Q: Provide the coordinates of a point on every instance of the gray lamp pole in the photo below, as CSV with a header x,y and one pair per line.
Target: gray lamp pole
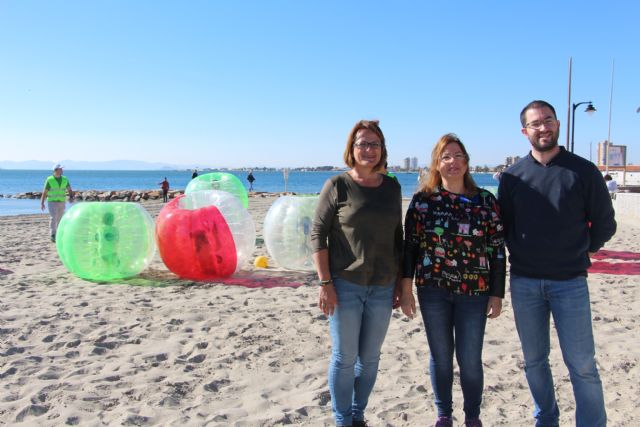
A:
x,y
589,110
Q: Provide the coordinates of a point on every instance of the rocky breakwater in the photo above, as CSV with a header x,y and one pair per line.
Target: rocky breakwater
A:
x,y
105,196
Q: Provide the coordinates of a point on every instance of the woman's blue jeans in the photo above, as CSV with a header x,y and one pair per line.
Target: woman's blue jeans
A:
x,y
534,300
454,322
358,327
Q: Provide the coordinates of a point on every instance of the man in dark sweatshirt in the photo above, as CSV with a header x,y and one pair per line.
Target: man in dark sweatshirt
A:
x,y
557,213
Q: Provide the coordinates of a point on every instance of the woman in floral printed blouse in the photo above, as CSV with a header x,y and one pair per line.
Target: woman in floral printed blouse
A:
x,y
454,248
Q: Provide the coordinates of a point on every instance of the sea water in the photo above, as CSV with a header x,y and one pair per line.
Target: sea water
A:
x,y
300,182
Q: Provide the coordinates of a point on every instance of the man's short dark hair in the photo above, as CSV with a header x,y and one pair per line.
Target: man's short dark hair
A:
x,y
536,104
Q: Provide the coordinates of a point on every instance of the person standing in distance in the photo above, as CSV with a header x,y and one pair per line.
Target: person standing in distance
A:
x,y
251,178
557,213
55,189
357,243
612,186
164,185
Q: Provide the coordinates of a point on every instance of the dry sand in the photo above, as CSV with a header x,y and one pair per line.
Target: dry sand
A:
x,y
156,350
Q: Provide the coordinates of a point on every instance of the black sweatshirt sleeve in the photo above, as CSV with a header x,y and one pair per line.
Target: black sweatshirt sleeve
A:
x,y
411,242
495,248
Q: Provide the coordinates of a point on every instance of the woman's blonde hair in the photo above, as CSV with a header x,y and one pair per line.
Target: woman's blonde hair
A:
x,y
430,183
373,126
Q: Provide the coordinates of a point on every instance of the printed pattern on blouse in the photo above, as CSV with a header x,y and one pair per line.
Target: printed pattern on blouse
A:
x,y
458,239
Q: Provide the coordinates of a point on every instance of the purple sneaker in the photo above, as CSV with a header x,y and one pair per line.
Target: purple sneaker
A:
x,y
444,422
474,422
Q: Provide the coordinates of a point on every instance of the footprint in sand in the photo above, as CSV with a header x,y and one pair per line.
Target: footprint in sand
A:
x,y
214,386
31,410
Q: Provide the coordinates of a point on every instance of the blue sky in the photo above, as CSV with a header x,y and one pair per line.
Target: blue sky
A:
x,y
281,83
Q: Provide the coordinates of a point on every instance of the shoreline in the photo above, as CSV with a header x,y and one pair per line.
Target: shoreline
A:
x,y
105,197
119,195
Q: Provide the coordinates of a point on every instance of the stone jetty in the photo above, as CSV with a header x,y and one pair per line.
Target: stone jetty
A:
x,y
104,196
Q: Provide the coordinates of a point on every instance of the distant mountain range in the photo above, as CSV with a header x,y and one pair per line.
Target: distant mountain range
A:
x,y
84,165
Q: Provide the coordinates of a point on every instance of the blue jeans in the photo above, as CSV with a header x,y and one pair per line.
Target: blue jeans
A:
x,y
358,327
455,322
533,301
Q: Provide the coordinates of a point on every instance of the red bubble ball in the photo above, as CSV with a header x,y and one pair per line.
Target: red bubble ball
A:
x,y
196,244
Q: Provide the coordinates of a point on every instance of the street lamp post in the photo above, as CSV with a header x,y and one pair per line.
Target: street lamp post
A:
x,y
589,110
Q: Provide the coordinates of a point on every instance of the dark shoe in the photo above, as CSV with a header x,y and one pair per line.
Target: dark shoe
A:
x,y
53,238
444,422
474,422
360,424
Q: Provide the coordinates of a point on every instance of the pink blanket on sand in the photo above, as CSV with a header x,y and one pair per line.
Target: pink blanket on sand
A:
x,y
629,263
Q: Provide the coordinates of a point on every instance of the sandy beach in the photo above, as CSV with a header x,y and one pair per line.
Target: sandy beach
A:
x,y
159,351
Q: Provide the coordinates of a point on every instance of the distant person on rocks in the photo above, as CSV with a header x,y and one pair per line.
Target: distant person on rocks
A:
x,y
251,178
612,185
165,189
194,174
55,190
556,216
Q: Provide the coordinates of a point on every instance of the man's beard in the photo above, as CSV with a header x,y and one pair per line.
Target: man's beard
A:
x,y
553,143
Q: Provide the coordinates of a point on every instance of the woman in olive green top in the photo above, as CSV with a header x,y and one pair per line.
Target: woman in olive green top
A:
x,y
357,244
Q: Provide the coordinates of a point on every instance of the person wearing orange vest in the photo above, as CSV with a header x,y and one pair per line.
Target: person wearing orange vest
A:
x,y
55,191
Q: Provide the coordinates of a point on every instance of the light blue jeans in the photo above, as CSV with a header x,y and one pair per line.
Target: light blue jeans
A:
x,y
534,300
358,327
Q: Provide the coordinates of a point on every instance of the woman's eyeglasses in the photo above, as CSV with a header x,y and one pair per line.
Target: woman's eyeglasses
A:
x,y
367,145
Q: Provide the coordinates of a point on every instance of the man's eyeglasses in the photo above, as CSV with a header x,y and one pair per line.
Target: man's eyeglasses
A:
x,y
458,158
367,145
549,122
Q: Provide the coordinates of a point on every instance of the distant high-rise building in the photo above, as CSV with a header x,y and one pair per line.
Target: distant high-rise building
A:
x,y
617,154
406,163
414,163
511,160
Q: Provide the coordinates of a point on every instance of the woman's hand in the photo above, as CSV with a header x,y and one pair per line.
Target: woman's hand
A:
x,y
397,293
407,300
327,299
494,307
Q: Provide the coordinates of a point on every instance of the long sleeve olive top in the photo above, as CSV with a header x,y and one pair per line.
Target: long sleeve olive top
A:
x,y
362,229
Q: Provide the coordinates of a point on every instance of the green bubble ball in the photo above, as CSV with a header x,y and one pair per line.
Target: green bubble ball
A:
x,y
104,241
220,181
